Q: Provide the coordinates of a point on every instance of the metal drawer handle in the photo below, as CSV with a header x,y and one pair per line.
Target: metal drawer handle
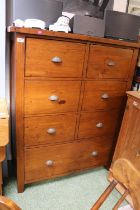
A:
x,y
135,104
111,63
94,153
105,96
56,60
51,131
99,125
138,154
53,98
49,162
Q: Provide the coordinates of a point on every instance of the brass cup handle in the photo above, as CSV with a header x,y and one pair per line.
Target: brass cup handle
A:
x,y
136,104
51,131
99,125
53,98
111,63
94,153
105,96
56,60
138,153
49,162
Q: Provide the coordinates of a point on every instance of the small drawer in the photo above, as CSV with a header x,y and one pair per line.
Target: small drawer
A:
x,y
98,123
109,62
49,129
52,161
51,96
103,95
52,58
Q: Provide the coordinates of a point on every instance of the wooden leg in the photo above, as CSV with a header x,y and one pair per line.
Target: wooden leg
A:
x,y
0,178
121,200
105,194
8,204
20,186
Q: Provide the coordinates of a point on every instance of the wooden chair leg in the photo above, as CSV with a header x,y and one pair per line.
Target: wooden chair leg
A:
x,y
8,204
105,194
121,200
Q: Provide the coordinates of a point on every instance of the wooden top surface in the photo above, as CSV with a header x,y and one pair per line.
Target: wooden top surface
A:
x,y
4,123
135,94
3,109
48,33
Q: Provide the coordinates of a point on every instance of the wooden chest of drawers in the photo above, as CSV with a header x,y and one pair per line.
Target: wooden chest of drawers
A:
x,y
68,94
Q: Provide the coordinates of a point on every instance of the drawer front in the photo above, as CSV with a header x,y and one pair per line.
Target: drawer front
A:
x,y
54,58
51,96
51,161
49,129
98,123
109,62
103,95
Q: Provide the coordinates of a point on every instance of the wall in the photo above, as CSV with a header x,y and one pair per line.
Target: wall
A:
x,y
2,48
119,5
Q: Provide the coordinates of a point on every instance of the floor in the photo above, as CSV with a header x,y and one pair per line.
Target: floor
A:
x,y
74,192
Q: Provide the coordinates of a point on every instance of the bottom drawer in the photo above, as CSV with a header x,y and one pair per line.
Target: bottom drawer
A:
x,y
51,161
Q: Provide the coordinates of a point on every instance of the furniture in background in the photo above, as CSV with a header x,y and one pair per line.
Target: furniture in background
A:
x,y
67,99
125,168
7,204
4,135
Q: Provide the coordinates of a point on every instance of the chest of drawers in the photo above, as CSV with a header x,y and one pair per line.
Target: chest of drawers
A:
x,y
68,94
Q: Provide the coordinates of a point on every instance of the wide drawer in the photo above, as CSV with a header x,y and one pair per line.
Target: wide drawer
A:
x,y
54,58
51,161
51,96
49,129
103,95
109,62
98,123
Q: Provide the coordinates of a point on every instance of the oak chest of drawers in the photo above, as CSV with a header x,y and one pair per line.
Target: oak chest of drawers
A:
x,y
68,94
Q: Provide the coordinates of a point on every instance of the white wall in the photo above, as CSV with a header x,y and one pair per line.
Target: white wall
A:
x,y
2,48
120,5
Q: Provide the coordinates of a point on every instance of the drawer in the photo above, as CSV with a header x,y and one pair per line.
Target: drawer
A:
x,y
51,161
54,58
51,96
49,129
98,123
109,62
103,95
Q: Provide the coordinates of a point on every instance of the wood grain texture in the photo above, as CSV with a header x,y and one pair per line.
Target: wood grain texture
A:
x,y
39,55
2,153
8,204
36,129
66,158
18,87
94,92
72,37
128,149
35,78
104,196
109,62
88,123
37,95
4,123
126,173
4,134
128,145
